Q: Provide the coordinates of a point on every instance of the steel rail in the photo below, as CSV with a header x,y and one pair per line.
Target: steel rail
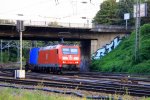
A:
x,y
98,88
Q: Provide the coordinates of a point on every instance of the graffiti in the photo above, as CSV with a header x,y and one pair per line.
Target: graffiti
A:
x,y
106,49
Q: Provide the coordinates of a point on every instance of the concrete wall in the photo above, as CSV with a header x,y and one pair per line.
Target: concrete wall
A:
x,y
89,47
103,39
85,55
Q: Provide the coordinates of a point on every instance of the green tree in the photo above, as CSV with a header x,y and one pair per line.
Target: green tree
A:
x,y
107,13
111,12
125,6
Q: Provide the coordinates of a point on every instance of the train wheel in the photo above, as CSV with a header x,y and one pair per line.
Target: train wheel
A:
x,y
53,70
59,70
47,70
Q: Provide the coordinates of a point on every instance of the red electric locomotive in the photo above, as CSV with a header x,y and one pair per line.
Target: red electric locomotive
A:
x,y
54,58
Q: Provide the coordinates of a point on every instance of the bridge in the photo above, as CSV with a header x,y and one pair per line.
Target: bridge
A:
x,y
91,39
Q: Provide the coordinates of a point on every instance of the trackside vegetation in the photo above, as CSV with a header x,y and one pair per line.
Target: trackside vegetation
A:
x,y
122,58
21,94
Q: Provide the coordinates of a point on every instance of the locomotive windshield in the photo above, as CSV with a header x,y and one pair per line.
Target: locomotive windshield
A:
x,y
70,51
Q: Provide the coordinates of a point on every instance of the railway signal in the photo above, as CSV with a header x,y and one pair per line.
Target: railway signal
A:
x,y
20,27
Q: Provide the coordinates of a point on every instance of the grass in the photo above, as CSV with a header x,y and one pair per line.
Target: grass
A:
x,y
20,94
122,58
146,99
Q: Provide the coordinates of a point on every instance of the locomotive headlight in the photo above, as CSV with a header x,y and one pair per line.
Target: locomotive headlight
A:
x,y
77,62
64,58
76,58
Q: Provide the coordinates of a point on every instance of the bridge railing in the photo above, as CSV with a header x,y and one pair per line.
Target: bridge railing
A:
x,y
47,24
110,28
2,21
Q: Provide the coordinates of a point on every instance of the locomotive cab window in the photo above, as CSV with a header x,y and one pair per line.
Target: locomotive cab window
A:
x,y
70,51
66,51
74,51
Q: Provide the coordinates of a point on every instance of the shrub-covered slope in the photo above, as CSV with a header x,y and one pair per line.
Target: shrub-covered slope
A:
x,y
122,58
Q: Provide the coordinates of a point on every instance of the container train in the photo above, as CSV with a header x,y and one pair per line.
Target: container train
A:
x,y
54,58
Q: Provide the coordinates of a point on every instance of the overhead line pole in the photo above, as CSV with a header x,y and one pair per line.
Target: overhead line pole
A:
x,y
20,50
137,36
1,51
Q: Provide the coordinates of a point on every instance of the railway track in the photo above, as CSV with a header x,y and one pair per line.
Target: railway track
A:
x,y
120,79
129,78
80,82
108,88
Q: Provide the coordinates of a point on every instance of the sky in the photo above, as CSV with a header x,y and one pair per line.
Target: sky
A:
x,y
50,10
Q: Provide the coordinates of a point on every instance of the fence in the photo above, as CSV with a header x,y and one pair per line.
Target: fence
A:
x,y
47,24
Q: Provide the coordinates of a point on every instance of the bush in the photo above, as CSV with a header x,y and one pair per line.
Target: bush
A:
x,y
122,58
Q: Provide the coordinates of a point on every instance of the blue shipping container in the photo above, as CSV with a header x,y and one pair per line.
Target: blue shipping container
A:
x,y
34,56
